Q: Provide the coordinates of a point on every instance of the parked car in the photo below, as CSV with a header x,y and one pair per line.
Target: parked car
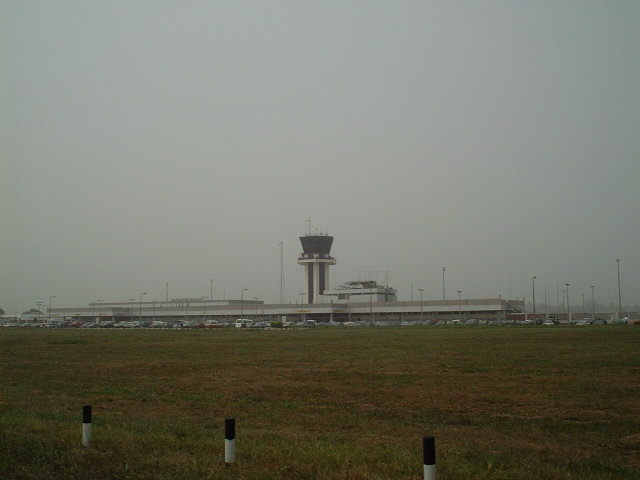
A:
x,y
213,324
243,323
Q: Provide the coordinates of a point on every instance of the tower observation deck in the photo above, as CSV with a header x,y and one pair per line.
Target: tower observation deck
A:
x,y
316,258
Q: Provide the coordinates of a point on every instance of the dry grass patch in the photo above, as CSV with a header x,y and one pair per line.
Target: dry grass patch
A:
x,y
512,403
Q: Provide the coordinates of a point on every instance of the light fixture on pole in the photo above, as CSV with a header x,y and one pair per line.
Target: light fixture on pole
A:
x,y
593,304
421,290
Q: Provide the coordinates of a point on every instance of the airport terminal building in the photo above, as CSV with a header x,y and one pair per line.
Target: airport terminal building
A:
x,y
364,301
226,311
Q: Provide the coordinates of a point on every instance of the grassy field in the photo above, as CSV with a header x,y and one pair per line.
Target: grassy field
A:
x,y
502,402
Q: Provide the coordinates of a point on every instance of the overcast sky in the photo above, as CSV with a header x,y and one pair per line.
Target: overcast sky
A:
x,y
146,142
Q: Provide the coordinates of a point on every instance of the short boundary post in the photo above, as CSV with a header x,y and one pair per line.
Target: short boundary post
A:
x,y
229,440
429,457
86,425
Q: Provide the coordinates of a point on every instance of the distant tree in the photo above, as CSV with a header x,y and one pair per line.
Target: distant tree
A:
x,y
1,311
33,310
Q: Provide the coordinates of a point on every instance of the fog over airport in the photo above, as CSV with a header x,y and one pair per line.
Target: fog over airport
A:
x,y
154,142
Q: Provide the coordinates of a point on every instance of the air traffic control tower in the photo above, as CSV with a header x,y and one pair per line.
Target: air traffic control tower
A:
x,y
316,260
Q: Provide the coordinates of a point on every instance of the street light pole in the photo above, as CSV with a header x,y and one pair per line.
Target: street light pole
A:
x,y
256,299
546,305
301,303
130,310
593,305
619,291
583,308
371,305
444,269
242,302
568,304
49,307
39,310
533,287
421,290
204,310
100,309
140,314
459,306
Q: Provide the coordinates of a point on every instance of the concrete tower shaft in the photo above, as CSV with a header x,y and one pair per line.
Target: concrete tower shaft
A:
x,y
316,259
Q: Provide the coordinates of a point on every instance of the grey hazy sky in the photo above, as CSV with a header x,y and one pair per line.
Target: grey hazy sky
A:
x,y
146,142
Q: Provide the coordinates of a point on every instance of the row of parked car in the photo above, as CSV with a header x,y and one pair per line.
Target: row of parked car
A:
x,y
210,324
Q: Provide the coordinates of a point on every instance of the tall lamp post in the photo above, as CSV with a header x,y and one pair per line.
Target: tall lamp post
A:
x,y
593,304
130,310
100,309
242,302
584,310
421,290
301,303
459,305
140,314
256,299
371,304
444,269
204,310
39,310
533,288
49,307
619,291
568,304
546,305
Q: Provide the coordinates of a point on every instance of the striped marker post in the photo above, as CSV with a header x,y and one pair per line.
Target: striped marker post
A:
x,y
229,440
429,457
86,425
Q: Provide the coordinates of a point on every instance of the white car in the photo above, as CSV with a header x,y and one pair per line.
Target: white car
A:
x,y
244,323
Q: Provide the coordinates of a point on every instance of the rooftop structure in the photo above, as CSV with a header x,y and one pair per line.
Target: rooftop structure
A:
x,y
360,291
